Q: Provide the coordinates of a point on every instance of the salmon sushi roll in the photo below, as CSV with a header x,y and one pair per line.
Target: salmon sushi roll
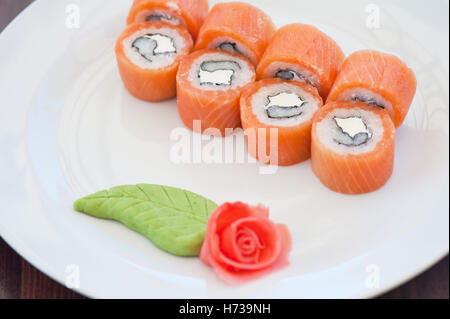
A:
x,y
209,85
378,79
287,106
302,52
237,27
189,13
352,148
148,55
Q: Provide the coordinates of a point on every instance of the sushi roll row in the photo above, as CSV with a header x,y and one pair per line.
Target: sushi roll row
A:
x,y
162,33
230,67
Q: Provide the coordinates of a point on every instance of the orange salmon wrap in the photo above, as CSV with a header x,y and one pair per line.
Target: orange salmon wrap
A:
x,y
379,79
302,52
237,27
294,133
189,13
216,106
339,160
140,77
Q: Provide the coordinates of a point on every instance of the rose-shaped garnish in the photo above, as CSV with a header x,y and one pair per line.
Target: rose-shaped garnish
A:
x,y
242,243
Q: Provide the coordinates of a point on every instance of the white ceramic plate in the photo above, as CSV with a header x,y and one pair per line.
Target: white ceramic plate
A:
x,y
69,128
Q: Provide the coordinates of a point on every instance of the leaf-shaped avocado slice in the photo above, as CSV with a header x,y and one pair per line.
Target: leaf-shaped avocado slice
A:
x,y
173,219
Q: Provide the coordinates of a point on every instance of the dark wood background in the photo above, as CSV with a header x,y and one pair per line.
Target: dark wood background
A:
x,y
18,279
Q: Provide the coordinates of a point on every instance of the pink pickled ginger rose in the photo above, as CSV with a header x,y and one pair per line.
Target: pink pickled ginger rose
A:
x,y
242,243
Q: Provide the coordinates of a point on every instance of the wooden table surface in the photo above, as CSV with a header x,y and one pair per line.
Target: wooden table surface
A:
x,y
18,279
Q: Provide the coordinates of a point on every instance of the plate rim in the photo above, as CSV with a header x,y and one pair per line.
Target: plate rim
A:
x,y
45,267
